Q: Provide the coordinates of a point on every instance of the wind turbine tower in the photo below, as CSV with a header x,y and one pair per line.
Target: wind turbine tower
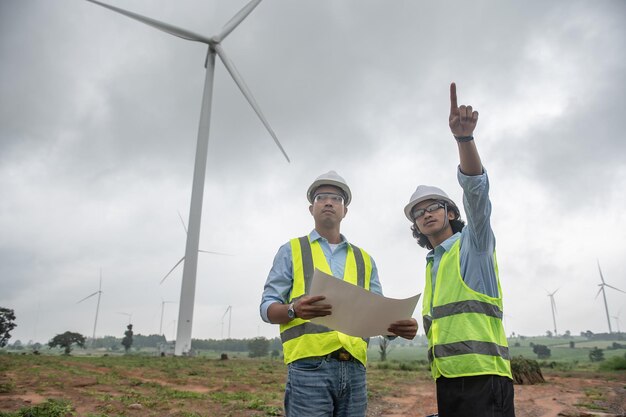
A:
x,y
99,293
187,294
553,306
601,290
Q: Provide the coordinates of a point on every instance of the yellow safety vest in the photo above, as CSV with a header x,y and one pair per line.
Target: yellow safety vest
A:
x,y
465,332
303,339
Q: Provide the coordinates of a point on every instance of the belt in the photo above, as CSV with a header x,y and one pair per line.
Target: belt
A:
x,y
341,355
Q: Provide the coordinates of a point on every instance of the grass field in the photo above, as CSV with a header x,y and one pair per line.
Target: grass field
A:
x,y
577,357
101,384
137,385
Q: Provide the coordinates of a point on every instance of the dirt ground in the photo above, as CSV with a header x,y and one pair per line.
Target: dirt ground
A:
x,y
250,389
558,397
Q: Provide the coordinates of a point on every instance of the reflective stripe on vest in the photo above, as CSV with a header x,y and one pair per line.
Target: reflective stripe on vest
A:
x,y
464,327
302,338
471,346
302,329
470,306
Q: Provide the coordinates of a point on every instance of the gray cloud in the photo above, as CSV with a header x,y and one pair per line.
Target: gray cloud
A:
x,y
98,125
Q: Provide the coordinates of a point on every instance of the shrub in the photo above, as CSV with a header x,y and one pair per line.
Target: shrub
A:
x,y
526,371
615,363
542,351
596,355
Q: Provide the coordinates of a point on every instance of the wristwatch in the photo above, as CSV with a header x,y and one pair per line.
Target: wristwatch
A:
x,y
464,138
291,311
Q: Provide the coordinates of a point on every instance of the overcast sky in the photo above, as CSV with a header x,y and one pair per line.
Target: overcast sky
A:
x,y
98,124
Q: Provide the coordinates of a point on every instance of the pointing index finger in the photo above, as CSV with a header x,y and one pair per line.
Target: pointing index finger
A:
x,y
453,103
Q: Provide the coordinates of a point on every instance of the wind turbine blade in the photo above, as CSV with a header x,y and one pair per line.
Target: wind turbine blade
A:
x,y
236,20
599,291
601,276
90,295
165,27
247,94
215,253
610,286
182,221
173,268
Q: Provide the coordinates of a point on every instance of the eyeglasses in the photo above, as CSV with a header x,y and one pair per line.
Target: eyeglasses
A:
x,y
417,213
334,198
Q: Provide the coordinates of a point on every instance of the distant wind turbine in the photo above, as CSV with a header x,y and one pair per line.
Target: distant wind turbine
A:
x,y
230,311
183,258
99,293
181,261
553,306
173,324
162,309
129,315
185,314
37,320
617,320
601,290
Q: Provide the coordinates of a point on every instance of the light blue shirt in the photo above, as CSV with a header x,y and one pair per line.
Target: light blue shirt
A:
x,y
280,279
477,239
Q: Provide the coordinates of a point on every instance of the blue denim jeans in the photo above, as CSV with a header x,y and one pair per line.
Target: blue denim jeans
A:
x,y
325,387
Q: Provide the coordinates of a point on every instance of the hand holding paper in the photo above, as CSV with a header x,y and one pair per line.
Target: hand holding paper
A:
x,y
309,307
360,313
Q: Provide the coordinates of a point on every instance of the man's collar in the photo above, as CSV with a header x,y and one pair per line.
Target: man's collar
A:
x,y
314,235
445,245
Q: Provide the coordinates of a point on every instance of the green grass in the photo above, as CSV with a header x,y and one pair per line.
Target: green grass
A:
x,y
614,363
561,354
50,408
397,353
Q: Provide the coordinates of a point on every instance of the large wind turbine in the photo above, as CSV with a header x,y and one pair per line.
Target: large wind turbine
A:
x,y
601,290
553,306
99,293
187,294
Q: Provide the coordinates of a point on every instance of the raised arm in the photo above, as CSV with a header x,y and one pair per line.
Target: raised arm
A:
x,y
462,122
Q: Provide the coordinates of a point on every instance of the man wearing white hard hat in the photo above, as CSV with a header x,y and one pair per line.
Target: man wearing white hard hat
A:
x,y
326,368
462,300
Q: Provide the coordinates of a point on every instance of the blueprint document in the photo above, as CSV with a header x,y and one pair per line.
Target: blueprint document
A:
x,y
356,311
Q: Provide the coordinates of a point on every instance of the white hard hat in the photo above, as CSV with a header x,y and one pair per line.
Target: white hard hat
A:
x,y
423,193
330,178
